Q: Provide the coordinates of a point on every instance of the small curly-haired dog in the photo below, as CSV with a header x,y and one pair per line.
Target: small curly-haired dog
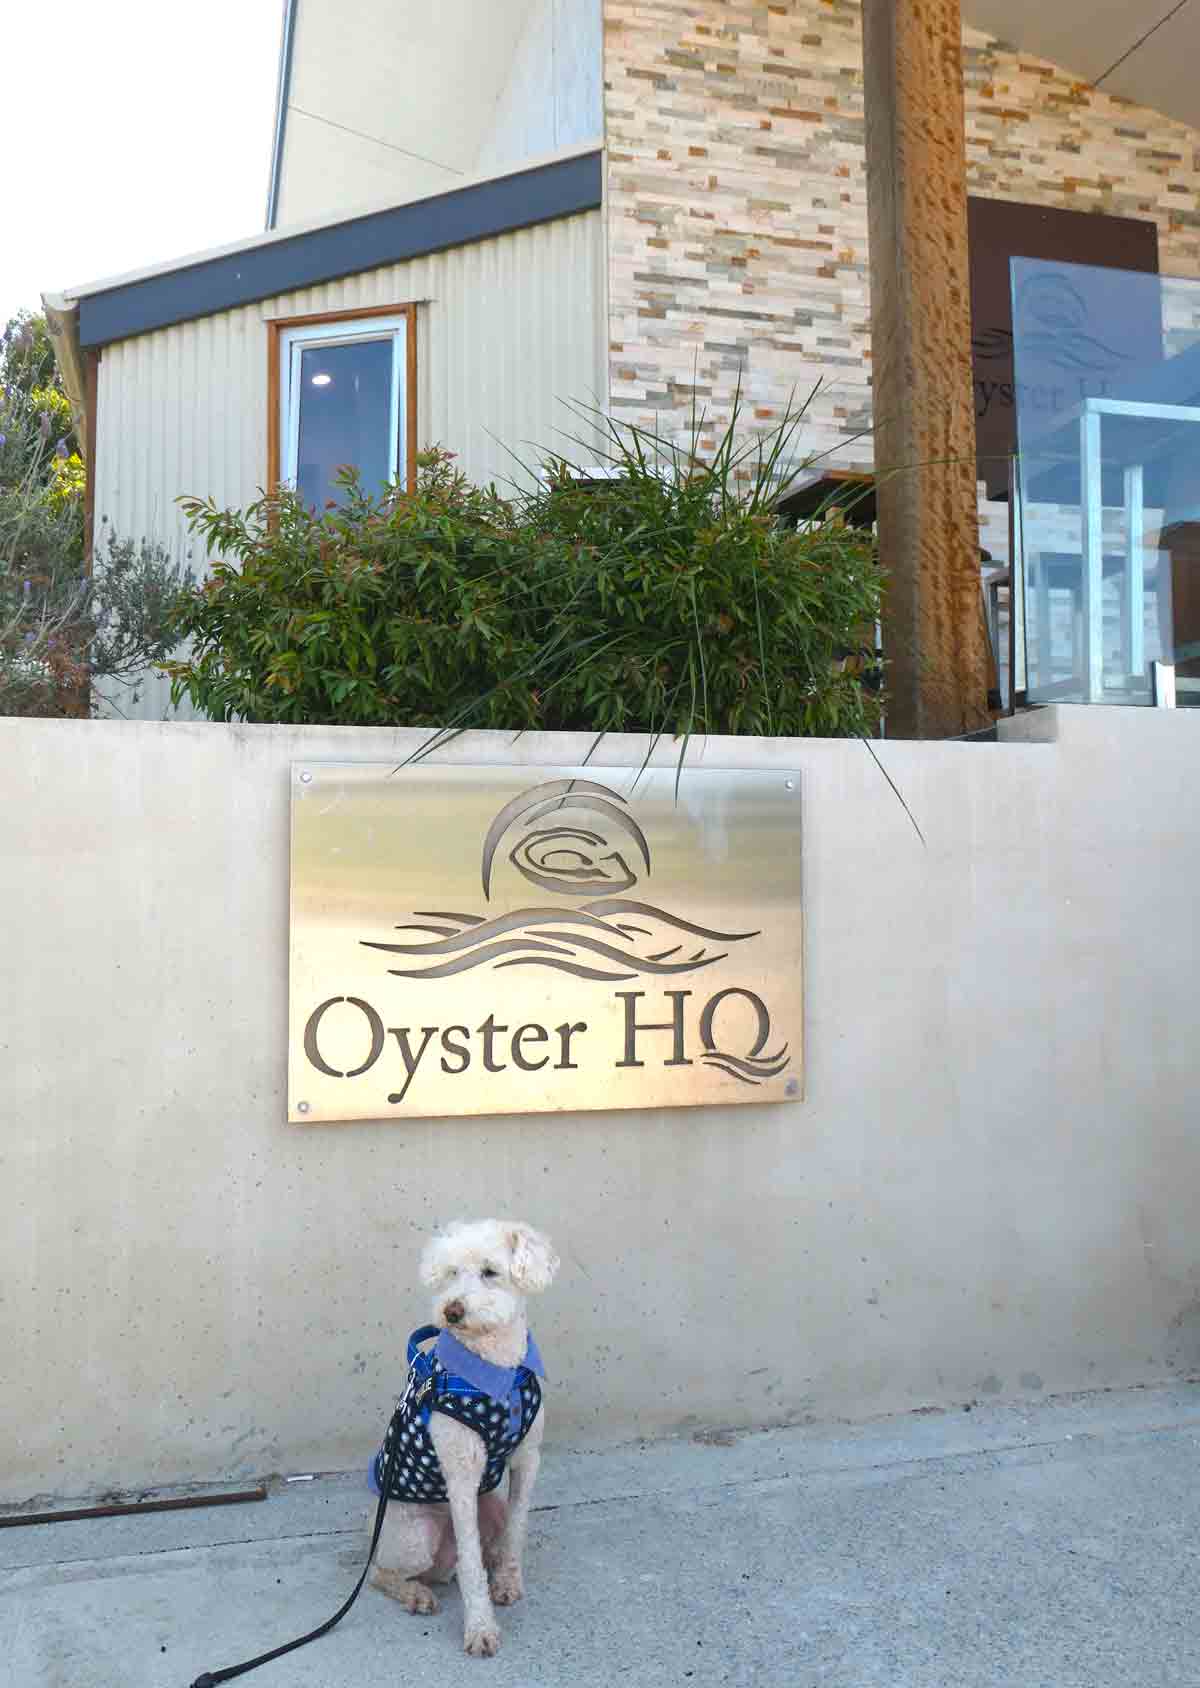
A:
x,y
471,1410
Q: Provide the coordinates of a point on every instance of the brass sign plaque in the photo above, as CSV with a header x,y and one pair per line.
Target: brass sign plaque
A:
x,y
470,940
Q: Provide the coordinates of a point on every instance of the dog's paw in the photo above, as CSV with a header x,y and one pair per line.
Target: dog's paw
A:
x,y
414,1596
482,1643
420,1600
507,1585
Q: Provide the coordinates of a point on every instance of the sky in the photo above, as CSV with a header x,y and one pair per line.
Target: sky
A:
x,y
135,131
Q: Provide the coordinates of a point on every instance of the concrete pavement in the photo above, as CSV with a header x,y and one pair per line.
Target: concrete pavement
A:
x,y
1056,1546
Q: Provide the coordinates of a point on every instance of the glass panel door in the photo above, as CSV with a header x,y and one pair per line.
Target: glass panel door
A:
x,y
1107,367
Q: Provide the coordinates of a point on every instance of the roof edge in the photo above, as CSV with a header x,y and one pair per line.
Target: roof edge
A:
x,y
62,325
310,225
283,93
285,262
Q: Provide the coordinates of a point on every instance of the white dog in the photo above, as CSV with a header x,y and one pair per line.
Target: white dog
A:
x,y
471,1408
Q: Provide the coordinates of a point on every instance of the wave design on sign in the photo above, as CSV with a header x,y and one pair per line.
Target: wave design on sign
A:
x,y
612,937
577,941
748,1069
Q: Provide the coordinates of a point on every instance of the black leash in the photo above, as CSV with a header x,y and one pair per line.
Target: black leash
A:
x,y
210,1678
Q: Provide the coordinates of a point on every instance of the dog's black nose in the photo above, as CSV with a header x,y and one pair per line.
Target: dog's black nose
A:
x,y
455,1312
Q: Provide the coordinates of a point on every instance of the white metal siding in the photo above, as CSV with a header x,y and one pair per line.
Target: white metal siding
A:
x,y
509,331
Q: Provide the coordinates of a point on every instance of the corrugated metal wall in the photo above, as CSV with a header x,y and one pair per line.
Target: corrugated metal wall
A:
x,y
508,331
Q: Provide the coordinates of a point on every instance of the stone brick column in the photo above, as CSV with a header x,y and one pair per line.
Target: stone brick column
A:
x,y
921,358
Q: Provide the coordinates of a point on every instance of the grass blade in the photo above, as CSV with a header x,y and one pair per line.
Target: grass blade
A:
x,y
896,789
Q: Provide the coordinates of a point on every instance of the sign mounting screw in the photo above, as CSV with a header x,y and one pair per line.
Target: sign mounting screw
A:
x,y
306,777
301,1107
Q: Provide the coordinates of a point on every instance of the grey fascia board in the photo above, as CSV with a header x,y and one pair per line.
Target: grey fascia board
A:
x,y
481,211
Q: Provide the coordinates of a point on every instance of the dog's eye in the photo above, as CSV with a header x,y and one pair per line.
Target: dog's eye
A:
x,y
489,1272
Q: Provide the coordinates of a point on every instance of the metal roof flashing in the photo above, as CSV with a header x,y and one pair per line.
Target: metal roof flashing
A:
x,y
281,108
282,261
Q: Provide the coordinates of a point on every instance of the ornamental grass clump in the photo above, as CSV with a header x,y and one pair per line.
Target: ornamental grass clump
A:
x,y
665,596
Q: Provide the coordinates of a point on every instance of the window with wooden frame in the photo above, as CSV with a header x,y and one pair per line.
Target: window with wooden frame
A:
x,y
342,391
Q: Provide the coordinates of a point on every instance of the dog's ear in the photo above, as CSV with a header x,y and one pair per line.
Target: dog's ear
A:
x,y
534,1261
435,1258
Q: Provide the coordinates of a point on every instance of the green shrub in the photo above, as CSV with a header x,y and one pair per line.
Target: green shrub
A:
x,y
66,631
67,621
669,598
27,352
30,385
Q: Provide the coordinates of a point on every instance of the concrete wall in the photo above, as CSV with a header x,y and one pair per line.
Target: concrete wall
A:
x,y
990,1190
738,202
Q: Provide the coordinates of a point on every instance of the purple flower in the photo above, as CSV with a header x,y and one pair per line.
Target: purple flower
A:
x,y
60,449
3,438
44,424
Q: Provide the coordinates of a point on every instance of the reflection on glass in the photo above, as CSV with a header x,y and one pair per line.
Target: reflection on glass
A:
x,y
994,553
1107,366
345,395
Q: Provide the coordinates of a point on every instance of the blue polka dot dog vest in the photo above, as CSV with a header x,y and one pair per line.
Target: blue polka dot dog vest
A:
x,y
500,1403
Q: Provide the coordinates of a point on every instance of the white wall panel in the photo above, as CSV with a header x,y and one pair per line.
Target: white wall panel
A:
x,y
553,97
390,99
509,330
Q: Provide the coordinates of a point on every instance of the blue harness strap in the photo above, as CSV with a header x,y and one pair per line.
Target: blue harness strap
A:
x,y
501,1414
425,1334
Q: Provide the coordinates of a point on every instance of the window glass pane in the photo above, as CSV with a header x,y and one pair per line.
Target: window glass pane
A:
x,y
1108,423
345,400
